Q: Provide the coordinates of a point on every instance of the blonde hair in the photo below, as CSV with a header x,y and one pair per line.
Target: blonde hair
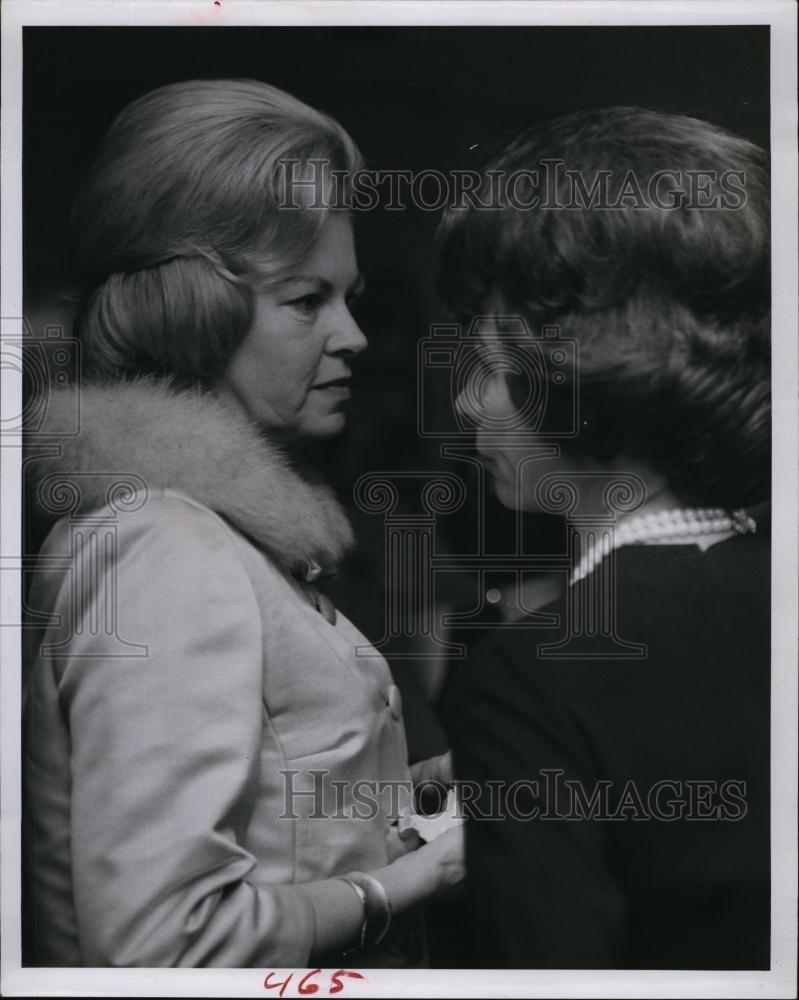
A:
x,y
187,200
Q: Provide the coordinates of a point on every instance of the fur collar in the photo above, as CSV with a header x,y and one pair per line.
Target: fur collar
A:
x,y
201,446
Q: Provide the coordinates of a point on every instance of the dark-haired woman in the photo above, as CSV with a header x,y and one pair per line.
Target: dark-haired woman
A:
x,y
619,760
199,719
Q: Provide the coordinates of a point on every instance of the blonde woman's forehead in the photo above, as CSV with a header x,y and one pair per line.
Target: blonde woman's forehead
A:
x,y
331,261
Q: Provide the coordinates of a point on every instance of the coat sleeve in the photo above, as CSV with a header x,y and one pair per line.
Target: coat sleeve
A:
x,y
165,752
541,891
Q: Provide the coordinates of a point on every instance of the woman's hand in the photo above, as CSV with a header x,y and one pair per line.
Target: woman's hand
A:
x,y
433,872
448,857
400,843
443,858
437,769
431,780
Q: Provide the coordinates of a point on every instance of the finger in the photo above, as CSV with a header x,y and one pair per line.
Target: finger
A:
x,y
445,768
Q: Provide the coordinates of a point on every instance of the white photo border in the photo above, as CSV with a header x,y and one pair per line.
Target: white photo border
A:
x,y
780,980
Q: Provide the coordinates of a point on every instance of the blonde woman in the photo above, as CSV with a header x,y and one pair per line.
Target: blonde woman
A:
x,y
191,801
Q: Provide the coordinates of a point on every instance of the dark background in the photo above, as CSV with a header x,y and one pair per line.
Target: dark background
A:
x,y
413,98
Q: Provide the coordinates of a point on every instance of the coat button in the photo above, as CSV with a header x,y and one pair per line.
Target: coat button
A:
x,y
394,702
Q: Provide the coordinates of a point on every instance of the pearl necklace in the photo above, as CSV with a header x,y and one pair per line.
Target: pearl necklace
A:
x,y
649,529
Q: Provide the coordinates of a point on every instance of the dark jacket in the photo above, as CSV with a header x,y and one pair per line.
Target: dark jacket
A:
x,y
661,885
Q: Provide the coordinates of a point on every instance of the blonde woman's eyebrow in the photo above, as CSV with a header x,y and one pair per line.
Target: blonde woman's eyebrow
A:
x,y
322,284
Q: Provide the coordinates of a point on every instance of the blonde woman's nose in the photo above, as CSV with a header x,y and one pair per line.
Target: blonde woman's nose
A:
x,y
346,335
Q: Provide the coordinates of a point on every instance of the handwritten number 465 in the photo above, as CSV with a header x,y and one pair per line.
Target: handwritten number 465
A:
x,y
305,986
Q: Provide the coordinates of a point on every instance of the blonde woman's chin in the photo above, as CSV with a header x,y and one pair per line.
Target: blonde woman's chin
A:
x,y
323,426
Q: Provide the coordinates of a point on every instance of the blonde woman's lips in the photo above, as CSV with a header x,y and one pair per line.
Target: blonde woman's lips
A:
x,y
338,388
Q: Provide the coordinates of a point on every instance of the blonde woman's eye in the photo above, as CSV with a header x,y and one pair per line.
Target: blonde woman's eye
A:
x,y
306,305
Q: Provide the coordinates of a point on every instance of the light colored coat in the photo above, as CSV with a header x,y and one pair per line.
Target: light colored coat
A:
x,y
186,668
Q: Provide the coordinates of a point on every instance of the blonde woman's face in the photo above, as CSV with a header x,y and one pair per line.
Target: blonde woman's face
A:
x,y
292,369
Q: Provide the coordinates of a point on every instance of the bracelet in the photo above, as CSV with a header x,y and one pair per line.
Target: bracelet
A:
x,y
362,899
377,907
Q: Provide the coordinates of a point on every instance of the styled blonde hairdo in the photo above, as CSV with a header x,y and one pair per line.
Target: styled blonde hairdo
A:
x,y
181,210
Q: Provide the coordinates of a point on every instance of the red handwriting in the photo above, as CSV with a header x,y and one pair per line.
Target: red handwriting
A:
x,y
306,985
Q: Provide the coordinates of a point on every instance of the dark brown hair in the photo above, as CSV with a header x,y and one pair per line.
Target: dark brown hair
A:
x,y
665,287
